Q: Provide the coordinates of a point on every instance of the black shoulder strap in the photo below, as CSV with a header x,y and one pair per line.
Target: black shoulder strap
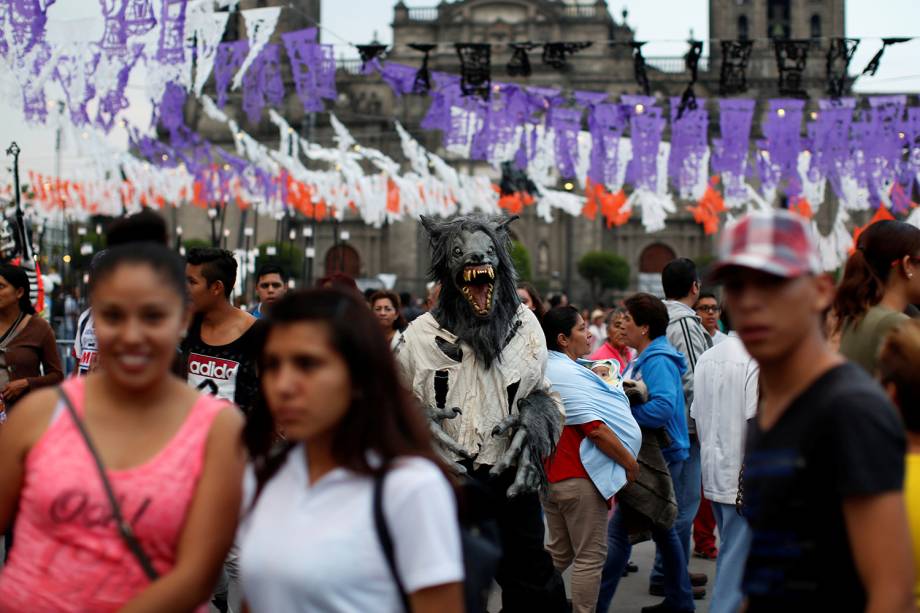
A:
x,y
386,541
124,528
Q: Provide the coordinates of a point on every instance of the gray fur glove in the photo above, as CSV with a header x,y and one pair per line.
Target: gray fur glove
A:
x,y
445,443
536,428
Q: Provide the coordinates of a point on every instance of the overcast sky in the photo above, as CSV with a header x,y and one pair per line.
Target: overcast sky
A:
x,y
357,21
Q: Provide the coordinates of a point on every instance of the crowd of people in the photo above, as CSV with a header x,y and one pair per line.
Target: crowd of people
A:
x,y
762,415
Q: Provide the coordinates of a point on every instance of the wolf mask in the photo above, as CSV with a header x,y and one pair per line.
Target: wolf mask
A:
x,y
470,257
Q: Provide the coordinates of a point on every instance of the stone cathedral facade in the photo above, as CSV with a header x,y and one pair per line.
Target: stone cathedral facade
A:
x,y
367,107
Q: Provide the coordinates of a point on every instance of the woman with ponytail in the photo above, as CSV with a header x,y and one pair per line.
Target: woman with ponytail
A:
x,y
880,280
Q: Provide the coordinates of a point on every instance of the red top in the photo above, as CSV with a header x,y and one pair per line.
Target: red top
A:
x,y
566,462
69,555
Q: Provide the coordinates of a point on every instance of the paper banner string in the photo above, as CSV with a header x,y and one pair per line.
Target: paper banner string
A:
x,y
872,67
839,54
112,75
139,17
691,60
115,35
260,25
519,64
640,71
688,162
733,72
555,54
791,58
369,53
565,123
475,69
71,72
208,29
262,83
708,208
422,82
312,68
172,32
229,58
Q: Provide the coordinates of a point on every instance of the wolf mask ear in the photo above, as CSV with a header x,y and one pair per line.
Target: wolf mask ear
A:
x,y
502,226
432,227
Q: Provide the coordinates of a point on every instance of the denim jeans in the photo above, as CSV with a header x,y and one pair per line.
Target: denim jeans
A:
x,y
687,478
676,580
733,551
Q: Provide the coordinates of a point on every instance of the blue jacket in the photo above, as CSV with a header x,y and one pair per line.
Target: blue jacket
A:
x,y
660,367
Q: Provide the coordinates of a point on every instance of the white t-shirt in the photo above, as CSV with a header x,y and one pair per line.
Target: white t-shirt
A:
x,y
313,547
724,398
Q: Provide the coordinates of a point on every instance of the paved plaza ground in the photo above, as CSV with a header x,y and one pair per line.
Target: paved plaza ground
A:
x,y
632,593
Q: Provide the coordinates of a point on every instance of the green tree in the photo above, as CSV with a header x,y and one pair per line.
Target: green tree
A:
x,y
521,258
602,271
288,256
196,243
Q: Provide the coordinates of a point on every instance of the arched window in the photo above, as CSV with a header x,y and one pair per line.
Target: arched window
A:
x,y
345,259
655,257
743,32
816,26
652,261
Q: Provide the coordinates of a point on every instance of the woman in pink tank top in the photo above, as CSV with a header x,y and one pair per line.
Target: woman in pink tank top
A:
x,y
173,457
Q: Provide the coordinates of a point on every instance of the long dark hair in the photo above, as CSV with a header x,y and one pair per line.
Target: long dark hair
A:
x,y
867,271
539,309
383,416
17,277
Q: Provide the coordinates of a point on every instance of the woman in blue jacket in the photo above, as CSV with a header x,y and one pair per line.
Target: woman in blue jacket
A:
x,y
659,367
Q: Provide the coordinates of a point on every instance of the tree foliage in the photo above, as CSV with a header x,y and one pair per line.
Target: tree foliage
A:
x,y
288,256
603,270
521,258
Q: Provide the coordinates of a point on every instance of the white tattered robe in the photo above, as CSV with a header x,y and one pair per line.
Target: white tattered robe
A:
x,y
480,392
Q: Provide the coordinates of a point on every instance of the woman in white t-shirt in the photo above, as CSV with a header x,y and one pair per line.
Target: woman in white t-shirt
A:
x,y
307,538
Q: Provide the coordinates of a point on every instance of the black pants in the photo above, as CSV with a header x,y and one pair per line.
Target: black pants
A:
x,y
529,581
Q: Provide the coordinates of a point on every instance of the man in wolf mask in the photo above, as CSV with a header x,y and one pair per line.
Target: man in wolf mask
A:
x,y
476,363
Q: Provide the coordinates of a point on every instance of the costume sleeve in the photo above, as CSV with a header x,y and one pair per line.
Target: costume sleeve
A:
x,y
662,380
421,513
868,445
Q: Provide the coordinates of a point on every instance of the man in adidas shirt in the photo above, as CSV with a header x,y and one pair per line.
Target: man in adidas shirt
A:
x,y
222,343
220,354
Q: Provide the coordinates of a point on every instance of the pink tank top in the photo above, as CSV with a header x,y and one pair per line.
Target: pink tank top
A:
x,y
68,554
